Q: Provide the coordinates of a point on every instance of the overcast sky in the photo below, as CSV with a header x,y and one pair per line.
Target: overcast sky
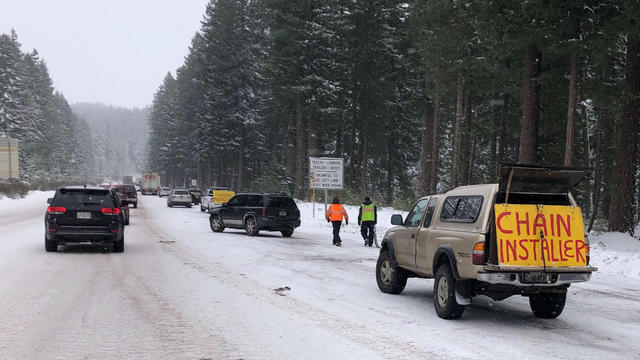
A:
x,y
112,51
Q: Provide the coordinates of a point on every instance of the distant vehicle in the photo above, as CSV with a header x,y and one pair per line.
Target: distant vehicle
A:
x,y
138,188
132,195
179,197
122,196
195,196
84,214
255,212
164,191
150,183
215,197
127,180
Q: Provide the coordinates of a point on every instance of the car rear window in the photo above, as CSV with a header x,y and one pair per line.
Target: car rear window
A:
x,y
461,209
181,192
130,189
282,202
82,197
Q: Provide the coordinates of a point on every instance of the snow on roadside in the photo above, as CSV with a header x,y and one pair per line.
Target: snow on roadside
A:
x,y
384,218
615,254
33,198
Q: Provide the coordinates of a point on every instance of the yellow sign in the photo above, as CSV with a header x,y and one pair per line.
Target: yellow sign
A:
x,y
222,196
538,235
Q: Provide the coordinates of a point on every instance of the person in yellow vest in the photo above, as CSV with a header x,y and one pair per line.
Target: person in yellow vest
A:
x,y
367,219
335,214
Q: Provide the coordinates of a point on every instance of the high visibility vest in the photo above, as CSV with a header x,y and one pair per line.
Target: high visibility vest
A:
x,y
335,212
368,213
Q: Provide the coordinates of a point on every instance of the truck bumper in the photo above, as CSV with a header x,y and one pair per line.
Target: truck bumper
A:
x,y
533,278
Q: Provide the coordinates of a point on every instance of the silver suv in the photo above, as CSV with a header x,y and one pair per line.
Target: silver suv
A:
x,y
179,197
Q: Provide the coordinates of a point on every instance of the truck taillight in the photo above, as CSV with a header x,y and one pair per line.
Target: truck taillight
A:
x,y
478,253
56,210
588,253
110,211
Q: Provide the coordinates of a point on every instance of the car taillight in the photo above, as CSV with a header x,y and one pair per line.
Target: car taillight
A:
x,y
264,211
478,253
56,210
110,211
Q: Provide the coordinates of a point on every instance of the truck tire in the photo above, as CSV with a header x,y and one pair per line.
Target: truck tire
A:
x,y
547,305
444,294
201,208
251,226
118,246
135,205
391,278
50,245
216,224
189,206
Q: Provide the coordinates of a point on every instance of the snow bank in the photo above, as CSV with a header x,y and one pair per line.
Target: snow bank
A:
x,y
34,198
616,255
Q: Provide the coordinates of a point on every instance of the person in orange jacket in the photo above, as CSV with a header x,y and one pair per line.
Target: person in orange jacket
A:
x,y
335,214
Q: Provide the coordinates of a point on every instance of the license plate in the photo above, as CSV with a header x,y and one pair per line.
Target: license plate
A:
x,y
282,213
537,277
84,215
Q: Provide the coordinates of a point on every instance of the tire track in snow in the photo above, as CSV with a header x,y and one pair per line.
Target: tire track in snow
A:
x,y
359,333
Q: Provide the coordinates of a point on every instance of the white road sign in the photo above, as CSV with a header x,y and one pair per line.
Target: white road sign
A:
x,y
325,173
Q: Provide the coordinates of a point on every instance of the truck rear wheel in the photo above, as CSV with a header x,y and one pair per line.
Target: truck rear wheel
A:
x,y
390,278
547,305
444,294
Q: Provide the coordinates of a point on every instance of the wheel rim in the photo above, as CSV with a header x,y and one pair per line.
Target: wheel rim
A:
x,y
385,272
443,291
215,223
251,225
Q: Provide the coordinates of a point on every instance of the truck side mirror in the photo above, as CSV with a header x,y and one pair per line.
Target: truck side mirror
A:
x,y
396,220
49,201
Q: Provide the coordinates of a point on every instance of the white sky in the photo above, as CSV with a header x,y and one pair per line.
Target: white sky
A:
x,y
112,51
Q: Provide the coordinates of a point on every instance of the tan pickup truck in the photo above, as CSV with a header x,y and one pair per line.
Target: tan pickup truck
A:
x,y
523,236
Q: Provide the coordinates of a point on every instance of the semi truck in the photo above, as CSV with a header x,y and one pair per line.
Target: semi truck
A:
x,y
150,183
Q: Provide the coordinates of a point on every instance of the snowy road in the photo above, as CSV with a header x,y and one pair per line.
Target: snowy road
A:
x,y
180,291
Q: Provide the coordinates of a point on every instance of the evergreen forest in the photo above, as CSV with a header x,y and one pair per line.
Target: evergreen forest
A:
x,y
417,97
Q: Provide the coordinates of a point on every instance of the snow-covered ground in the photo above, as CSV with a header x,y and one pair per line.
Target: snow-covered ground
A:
x,y
180,291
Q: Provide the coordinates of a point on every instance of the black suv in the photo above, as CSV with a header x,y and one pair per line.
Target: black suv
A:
x,y
254,212
84,214
132,195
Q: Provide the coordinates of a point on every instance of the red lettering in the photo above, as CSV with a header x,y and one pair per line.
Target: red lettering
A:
x,y
540,222
562,257
566,225
553,230
524,249
503,230
535,248
568,245
579,255
501,251
511,247
520,222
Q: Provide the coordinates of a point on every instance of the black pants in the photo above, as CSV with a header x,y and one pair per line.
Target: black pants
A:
x,y
367,231
336,232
